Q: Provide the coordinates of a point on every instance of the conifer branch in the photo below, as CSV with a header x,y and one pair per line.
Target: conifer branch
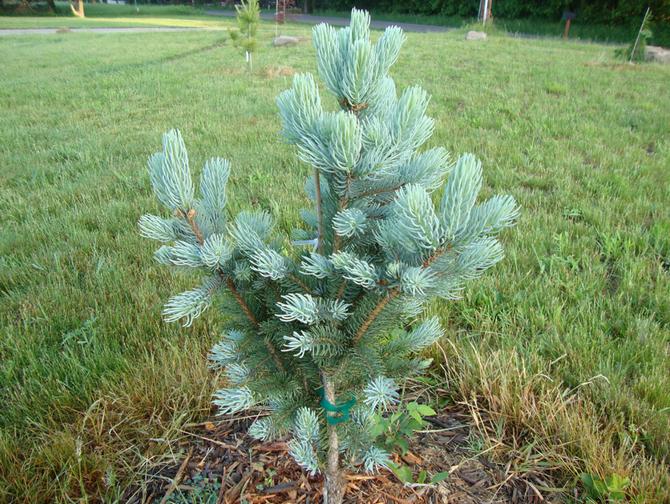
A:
x,y
337,243
247,311
393,293
319,211
302,284
427,262
190,218
277,358
343,203
240,300
382,190
340,290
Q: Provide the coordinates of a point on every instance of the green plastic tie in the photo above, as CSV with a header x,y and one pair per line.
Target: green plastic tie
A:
x,y
336,413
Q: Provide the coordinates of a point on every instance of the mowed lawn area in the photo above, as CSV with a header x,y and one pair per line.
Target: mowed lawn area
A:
x,y
561,353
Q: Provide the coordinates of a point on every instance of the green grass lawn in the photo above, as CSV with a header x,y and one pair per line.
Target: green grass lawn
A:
x,y
563,349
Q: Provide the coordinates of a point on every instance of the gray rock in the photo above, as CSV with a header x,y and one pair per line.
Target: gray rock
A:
x,y
657,54
285,40
475,35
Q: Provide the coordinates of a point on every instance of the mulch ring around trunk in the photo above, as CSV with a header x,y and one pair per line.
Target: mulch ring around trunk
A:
x,y
219,463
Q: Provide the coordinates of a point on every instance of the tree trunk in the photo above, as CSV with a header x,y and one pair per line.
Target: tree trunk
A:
x,y
333,491
485,9
79,9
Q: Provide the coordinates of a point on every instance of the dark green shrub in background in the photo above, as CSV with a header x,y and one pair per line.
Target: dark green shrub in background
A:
x,y
542,17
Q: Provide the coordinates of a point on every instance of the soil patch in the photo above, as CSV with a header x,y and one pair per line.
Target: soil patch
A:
x,y
220,463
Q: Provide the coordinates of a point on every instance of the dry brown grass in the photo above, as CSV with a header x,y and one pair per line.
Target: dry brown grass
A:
x,y
545,434
129,429
274,71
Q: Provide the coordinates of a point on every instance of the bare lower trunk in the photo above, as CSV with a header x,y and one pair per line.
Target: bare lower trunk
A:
x,y
78,8
333,492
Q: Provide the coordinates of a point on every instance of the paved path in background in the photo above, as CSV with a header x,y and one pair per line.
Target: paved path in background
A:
x,y
339,21
49,31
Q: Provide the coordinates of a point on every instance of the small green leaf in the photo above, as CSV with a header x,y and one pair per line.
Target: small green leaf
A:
x,y
416,415
616,483
414,424
402,444
377,429
421,478
426,410
403,473
617,494
600,487
441,476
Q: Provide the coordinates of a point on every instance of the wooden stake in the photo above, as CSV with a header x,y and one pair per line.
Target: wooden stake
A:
x,y
567,28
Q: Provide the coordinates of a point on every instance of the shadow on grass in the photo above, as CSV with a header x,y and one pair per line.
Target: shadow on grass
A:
x,y
112,69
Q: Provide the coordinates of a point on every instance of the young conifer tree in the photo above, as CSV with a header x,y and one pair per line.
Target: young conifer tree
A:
x,y
322,331
248,18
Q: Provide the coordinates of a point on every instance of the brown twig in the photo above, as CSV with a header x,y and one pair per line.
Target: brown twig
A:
x,y
393,293
435,255
275,356
178,477
222,491
337,243
233,493
210,440
353,107
281,487
190,218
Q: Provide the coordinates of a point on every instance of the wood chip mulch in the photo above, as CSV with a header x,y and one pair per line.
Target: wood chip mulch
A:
x,y
223,465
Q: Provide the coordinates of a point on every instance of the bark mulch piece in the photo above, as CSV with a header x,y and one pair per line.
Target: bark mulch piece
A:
x,y
221,464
